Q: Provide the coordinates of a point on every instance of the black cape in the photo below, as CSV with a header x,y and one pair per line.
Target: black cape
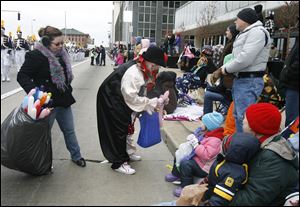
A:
x,y
113,116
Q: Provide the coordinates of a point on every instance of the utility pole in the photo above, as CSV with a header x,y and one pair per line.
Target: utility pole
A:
x,y
65,25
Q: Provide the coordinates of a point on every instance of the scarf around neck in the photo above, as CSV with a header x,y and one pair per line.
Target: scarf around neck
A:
x,y
56,70
149,76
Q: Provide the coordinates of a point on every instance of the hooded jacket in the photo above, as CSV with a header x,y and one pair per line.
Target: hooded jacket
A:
x,y
230,171
250,50
272,176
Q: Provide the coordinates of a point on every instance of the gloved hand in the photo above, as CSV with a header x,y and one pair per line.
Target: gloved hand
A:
x,y
165,97
194,142
190,137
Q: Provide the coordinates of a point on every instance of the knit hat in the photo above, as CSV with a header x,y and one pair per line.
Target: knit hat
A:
x,y
233,31
212,120
263,118
155,55
248,15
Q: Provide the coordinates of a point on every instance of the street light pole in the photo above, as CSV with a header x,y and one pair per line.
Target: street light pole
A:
x,y
65,25
32,26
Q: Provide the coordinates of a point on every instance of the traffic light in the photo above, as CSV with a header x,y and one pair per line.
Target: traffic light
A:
x,y
19,16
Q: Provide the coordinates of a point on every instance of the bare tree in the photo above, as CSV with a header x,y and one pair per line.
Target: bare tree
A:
x,y
206,16
287,17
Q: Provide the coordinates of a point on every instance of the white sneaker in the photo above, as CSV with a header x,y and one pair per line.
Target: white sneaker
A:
x,y
134,157
8,79
126,169
3,79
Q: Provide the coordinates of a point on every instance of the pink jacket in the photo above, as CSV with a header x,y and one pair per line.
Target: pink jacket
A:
x,y
120,59
188,53
207,151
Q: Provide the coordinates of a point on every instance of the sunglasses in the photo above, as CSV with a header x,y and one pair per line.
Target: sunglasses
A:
x,y
58,43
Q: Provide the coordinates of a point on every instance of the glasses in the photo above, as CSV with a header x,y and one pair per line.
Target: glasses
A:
x,y
58,43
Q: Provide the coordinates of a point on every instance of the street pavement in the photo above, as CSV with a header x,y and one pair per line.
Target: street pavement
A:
x,y
97,183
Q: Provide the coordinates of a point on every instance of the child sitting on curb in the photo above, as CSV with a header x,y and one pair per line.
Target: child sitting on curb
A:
x,y
206,148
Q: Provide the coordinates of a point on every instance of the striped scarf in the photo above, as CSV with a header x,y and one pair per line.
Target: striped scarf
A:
x,y
56,70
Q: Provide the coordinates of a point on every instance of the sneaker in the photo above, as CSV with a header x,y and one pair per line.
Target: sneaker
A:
x,y
177,192
81,162
3,79
8,79
171,178
134,157
126,169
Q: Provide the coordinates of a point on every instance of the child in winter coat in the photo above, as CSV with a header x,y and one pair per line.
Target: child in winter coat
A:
x,y
206,148
229,172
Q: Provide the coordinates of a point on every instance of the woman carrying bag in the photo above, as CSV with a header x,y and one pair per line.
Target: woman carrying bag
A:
x,y
48,65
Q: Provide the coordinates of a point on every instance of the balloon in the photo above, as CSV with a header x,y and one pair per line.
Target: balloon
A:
x,y
30,102
40,94
31,92
32,113
36,95
45,112
25,102
38,108
43,98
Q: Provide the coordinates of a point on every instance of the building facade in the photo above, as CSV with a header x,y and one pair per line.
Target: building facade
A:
x,y
150,19
76,37
205,22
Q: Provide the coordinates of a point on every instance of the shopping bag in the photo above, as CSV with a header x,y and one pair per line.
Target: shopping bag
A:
x,y
26,143
183,151
150,130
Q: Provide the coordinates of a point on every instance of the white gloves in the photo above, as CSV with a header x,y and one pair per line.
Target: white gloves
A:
x,y
190,137
194,142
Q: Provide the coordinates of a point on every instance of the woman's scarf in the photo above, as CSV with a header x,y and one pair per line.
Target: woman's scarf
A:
x,y
56,70
149,76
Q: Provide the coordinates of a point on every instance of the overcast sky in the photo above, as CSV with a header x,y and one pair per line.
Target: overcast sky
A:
x,y
89,17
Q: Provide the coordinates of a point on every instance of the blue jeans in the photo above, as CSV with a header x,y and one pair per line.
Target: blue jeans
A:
x,y
64,118
291,105
245,91
210,97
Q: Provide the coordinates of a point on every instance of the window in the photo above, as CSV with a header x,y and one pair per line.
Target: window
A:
x,y
152,33
141,3
140,32
147,17
171,4
148,3
153,18
165,18
171,19
141,9
154,3
177,4
165,3
140,25
146,33
141,17
147,10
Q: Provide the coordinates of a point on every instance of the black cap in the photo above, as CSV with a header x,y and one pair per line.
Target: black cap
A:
x,y
248,15
155,55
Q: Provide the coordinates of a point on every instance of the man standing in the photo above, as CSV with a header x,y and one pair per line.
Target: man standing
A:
x,y
250,56
21,47
102,51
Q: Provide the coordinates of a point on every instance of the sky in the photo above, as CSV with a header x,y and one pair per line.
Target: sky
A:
x,y
90,17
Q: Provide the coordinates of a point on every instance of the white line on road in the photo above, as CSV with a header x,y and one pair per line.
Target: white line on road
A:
x,y
10,93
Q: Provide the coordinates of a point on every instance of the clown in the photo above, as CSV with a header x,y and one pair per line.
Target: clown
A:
x,y
121,95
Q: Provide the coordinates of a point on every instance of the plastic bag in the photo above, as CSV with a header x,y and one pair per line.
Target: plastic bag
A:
x,y
184,150
26,143
150,130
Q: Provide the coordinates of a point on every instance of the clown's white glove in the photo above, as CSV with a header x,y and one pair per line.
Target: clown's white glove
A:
x,y
165,97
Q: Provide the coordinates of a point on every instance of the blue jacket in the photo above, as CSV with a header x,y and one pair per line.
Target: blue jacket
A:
x,y
230,172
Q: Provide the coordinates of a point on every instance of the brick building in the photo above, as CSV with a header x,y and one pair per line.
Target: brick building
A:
x,y
77,37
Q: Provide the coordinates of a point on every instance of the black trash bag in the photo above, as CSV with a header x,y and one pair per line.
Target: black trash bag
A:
x,y
26,143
